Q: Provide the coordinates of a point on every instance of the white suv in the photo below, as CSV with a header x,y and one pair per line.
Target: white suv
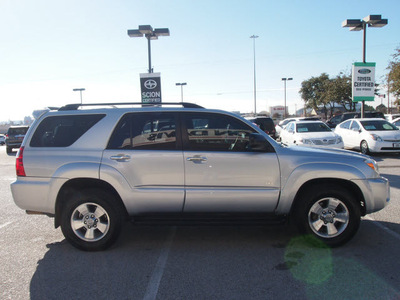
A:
x,y
91,169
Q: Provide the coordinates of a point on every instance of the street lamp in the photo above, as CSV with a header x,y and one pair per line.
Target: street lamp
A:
x,y
79,90
255,88
284,84
357,25
181,85
150,34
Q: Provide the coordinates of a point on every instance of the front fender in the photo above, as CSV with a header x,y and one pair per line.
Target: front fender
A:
x,y
292,183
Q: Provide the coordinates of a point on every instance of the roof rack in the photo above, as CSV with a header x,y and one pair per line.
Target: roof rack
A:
x,y
77,105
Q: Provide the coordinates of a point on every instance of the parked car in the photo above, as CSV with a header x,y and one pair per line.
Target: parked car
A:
x,y
334,121
2,139
310,133
15,136
91,169
369,135
284,122
391,117
396,122
266,124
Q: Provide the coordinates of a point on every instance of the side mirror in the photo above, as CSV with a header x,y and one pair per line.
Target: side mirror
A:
x,y
258,143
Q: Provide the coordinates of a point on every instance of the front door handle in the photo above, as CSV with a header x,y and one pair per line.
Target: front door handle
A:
x,y
120,157
197,159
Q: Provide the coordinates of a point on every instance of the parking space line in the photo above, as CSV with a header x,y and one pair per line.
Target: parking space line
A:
x,y
5,224
388,230
154,283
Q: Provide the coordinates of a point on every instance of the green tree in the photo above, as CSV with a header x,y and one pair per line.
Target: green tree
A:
x,y
314,90
393,77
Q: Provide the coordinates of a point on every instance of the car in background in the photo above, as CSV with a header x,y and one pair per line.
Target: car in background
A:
x,y
334,121
266,124
310,133
391,117
396,122
2,139
369,135
284,122
14,137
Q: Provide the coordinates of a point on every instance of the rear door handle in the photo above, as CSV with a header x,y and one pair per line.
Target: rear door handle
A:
x,y
120,157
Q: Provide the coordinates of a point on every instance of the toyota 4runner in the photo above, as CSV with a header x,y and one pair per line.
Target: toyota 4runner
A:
x,y
95,167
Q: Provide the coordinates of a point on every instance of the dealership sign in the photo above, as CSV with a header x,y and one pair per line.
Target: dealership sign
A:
x,y
150,86
363,82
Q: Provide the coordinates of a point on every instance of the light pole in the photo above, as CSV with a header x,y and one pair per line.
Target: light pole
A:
x,y
254,76
284,84
80,91
150,34
181,85
357,25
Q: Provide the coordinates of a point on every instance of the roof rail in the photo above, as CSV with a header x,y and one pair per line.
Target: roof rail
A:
x,y
77,105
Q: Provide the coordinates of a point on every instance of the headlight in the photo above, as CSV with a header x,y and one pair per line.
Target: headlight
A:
x,y
339,140
376,137
372,164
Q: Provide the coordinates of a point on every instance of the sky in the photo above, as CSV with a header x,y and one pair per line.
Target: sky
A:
x,y
50,47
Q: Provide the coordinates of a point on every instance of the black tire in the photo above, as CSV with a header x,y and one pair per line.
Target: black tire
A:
x,y
9,150
364,148
328,213
91,220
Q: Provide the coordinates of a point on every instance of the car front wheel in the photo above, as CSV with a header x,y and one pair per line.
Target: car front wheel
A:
x,y
91,220
364,147
330,214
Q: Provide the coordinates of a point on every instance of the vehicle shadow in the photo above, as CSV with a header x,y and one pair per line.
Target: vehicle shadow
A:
x,y
222,262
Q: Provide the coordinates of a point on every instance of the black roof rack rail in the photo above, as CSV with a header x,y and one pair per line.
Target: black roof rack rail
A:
x,y
77,105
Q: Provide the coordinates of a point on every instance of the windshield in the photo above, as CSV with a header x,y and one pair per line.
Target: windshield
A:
x,y
312,127
378,125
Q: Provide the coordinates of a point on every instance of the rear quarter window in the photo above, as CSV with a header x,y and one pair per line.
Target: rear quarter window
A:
x,y
63,131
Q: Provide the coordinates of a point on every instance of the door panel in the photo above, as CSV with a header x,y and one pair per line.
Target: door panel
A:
x,y
222,173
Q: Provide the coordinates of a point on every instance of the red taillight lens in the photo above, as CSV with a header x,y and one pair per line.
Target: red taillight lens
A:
x,y
19,165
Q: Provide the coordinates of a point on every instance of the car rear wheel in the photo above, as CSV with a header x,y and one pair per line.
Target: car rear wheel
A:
x,y
9,149
328,213
364,147
91,220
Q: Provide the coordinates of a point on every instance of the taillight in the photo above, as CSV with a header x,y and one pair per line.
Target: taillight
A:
x,y
19,164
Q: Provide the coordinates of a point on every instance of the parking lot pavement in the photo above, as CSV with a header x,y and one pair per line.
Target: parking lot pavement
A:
x,y
390,160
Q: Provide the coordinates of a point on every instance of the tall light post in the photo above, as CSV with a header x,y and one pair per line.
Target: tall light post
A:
x,y
150,34
254,76
284,85
80,91
357,25
181,84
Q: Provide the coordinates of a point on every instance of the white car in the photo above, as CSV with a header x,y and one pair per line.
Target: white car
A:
x,y
369,135
310,133
282,124
396,122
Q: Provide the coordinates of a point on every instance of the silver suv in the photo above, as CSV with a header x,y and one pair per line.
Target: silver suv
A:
x,y
92,169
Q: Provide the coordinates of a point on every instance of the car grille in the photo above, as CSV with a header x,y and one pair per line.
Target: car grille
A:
x,y
324,142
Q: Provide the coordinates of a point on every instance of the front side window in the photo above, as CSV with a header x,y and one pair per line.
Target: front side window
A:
x,y
145,131
216,132
63,131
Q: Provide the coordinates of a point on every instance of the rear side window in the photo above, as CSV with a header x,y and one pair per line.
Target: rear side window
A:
x,y
145,131
17,130
63,131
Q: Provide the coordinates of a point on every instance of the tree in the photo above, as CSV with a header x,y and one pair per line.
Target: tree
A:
x,y
327,93
393,77
313,91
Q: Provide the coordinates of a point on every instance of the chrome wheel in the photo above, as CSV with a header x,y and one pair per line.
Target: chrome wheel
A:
x,y
328,217
90,222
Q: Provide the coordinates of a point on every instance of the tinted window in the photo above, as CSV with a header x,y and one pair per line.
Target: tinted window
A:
x,y
378,125
145,131
17,130
214,132
62,131
312,127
